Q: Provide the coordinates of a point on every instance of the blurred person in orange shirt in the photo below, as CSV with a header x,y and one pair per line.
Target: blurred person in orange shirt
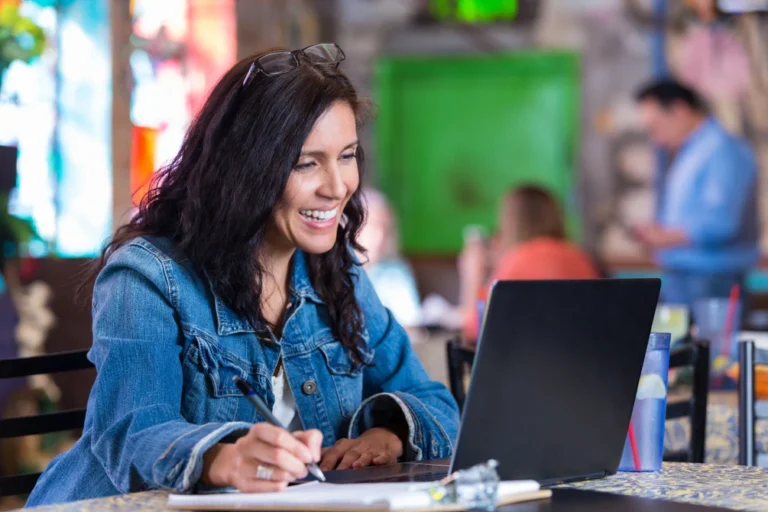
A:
x,y
531,244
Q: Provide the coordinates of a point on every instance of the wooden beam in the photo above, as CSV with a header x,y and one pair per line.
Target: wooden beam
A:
x,y
121,27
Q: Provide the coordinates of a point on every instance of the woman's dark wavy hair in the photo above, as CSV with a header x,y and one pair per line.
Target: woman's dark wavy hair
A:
x,y
215,198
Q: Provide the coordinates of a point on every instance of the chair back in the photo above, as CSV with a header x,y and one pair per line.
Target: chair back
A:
x,y
750,408
460,358
40,423
694,355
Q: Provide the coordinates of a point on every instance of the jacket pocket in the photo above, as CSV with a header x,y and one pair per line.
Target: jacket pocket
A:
x,y
347,376
210,393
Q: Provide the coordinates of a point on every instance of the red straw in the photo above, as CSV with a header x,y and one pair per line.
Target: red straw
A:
x,y
633,446
733,300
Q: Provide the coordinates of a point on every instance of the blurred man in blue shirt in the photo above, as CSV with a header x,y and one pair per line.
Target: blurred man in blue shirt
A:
x,y
706,236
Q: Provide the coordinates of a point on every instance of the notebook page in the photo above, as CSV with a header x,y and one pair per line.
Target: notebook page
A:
x,y
382,496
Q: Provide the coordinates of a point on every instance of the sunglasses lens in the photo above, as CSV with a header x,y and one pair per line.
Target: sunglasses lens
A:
x,y
324,53
277,62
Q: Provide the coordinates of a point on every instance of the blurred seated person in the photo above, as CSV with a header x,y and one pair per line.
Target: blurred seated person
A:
x,y
390,274
531,244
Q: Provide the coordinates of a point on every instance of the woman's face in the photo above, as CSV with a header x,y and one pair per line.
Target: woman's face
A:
x,y
324,178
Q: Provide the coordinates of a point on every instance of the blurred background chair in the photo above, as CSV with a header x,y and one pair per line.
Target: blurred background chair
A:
x,y
460,358
11,428
751,408
696,356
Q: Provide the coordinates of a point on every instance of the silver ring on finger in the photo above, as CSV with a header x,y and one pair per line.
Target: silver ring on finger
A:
x,y
264,472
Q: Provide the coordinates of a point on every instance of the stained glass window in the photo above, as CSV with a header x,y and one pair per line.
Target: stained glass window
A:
x,y
56,110
159,99
84,128
28,114
180,49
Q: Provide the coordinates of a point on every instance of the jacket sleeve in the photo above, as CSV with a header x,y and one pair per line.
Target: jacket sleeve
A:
x,y
138,433
396,388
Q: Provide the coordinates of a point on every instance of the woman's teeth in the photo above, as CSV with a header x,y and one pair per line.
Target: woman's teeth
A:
x,y
319,214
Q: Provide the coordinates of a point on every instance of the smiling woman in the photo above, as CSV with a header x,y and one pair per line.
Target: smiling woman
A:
x,y
240,263
323,181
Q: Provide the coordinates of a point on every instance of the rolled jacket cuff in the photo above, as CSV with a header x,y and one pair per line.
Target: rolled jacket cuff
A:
x,y
386,409
180,466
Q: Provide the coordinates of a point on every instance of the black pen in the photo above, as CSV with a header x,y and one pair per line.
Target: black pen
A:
x,y
250,393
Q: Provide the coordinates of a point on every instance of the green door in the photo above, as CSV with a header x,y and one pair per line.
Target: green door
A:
x,y
454,133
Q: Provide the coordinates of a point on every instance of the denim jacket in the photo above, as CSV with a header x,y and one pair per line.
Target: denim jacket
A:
x,y
166,349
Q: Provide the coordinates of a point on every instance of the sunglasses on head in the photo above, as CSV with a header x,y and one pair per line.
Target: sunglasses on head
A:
x,y
282,61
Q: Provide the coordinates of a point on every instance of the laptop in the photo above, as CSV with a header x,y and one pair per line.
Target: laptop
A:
x,y
555,377
553,383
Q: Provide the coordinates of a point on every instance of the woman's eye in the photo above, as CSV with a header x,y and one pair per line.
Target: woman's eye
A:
x,y
348,156
304,166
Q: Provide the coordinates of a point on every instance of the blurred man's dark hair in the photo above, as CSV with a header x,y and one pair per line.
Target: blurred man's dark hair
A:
x,y
666,92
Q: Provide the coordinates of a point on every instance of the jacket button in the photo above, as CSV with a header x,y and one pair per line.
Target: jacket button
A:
x,y
309,387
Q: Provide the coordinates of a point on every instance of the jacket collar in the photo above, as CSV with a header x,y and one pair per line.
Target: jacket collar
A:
x,y
229,322
301,284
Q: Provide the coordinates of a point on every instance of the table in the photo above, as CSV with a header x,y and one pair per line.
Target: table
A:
x,y
727,486
722,444
734,487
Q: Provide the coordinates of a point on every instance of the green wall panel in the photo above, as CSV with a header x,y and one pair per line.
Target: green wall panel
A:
x,y
453,133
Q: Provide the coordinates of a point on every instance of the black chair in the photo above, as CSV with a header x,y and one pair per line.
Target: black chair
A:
x,y
460,359
695,355
41,423
750,409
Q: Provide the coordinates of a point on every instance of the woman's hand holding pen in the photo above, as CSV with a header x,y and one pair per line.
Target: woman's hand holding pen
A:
x,y
265,451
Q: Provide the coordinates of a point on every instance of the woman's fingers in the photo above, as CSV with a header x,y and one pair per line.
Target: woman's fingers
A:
x,y
255,485
250,469
276,448
364,461
278,458
352,455
281,438
312,439
382,459
332,455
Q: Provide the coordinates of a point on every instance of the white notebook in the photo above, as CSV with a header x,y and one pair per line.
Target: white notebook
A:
x,y
324,496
